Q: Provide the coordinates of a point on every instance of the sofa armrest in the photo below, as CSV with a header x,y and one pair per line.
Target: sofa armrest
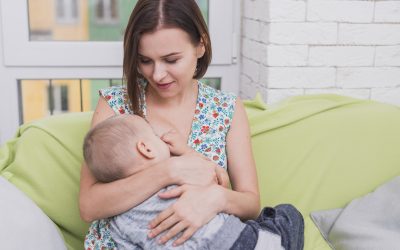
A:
x,y
23,224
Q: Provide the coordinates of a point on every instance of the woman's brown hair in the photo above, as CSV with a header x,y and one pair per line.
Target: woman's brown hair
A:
x,y
151,15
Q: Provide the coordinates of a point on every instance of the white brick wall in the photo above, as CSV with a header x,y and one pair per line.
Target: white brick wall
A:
x,y
340,11
346,47
387,11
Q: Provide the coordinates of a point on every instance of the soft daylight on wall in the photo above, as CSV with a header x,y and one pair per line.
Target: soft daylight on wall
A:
x,y
317,46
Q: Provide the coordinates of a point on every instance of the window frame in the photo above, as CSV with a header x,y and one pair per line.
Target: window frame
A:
x,y
20,51
23,59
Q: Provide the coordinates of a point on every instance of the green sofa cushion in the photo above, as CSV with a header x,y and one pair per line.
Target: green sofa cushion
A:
x,y
322,151
316,152
43,161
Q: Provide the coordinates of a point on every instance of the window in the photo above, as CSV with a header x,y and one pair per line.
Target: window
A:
x,y
41,40
58,99
66,11
43,30
41,98
107,12
56,20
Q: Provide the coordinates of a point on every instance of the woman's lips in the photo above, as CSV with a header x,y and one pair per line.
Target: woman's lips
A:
x,y
164,85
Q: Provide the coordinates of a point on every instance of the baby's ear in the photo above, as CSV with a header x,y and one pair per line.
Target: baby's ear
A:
x,y
145,149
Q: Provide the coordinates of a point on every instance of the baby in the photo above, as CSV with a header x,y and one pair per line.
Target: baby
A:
x,y
126,144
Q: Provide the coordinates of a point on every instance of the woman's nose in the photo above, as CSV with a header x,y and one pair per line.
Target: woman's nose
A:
x,y
159,72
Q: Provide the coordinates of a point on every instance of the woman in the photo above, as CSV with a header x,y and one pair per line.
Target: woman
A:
x,y
166,49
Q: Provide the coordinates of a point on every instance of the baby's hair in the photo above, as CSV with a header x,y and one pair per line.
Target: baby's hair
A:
x,y
108,149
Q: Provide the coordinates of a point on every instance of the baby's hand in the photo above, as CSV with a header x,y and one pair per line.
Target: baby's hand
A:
x,y
176,143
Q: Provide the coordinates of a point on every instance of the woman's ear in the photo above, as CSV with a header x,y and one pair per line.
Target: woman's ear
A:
x,y
201,49
145,150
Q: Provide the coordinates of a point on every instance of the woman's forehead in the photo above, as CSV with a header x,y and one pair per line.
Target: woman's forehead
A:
x,y
163,42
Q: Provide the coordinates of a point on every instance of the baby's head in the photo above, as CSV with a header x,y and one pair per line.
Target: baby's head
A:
x,y
121,146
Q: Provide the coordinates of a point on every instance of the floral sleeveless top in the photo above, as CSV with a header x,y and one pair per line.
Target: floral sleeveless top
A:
x,y
210,125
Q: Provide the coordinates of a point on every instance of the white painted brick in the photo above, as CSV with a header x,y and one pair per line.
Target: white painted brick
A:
x,y
301,77
387,11
356,93
368,77
341,56
248,91
251,29
387,56
277,95
249,8
253,50
369,34
262,10
303,33
264,76
264,32
264,53
386,95
251,69
287,11
245,79
287,55
286,40
340,11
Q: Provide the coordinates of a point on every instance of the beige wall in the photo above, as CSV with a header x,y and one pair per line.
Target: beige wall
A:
x,y
42,17
35,97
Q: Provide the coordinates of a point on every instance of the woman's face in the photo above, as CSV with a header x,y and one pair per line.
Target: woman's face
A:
x,y
167,59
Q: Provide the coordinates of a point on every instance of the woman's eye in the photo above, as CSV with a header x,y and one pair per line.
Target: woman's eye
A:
x,y
144,61
171,61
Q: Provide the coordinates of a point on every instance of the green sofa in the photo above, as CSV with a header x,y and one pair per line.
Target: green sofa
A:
x,y
316,152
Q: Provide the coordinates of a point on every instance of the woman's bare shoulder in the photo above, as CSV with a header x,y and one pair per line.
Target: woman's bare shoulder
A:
x,y
102,112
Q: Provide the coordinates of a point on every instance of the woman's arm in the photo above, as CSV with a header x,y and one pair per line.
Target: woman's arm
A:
x,y
243,200
100,200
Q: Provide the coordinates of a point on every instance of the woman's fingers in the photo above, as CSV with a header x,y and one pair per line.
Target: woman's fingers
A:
x,y
185,236
161,217
196,206
176,192
222,176
179,227
193,169
164,225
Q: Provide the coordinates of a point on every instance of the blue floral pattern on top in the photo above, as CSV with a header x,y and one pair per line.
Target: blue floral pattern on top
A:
x,y
210,125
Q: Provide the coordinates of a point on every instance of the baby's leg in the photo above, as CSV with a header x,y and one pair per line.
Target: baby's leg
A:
x,y
276,228
281,227
237,235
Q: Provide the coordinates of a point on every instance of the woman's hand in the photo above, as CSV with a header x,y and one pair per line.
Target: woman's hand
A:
x,y
192,168
222,177
196,206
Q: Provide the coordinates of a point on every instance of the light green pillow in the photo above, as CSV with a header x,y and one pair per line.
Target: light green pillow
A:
x,y
321,151
44,161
